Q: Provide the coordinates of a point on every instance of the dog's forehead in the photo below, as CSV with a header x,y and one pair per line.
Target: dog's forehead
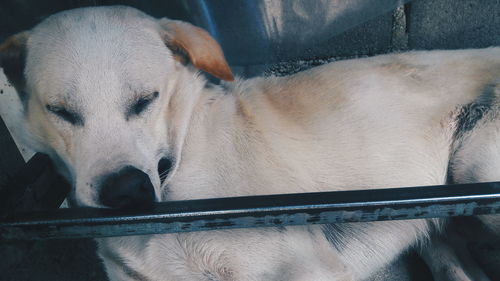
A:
x,y
96,47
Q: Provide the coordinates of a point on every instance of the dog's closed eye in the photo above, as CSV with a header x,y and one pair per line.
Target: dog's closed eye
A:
x,y
141,104
65,114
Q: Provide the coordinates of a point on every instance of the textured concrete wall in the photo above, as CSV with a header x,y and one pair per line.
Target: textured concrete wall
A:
x,y
428,24
454,24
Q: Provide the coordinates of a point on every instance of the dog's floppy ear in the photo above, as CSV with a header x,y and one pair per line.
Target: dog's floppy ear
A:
x,y
12,59
185,39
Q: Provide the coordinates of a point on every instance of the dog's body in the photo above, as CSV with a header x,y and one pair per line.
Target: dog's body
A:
x,y
385,121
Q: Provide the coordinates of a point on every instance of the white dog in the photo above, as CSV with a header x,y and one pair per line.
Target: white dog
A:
x,y
111,94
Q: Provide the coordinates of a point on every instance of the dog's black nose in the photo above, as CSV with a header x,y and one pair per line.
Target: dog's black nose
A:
x,y
128,188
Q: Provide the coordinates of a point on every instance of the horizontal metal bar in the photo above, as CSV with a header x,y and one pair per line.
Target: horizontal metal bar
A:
x,y
258,211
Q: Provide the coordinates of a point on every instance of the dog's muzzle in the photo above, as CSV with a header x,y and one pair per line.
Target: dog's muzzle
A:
x,y
127,188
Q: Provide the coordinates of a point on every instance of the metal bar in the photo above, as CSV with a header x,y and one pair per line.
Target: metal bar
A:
x,y
259,211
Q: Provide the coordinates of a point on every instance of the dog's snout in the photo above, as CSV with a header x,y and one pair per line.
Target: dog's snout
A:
x,y
128,188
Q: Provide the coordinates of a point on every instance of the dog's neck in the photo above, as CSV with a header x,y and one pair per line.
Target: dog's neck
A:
x,y
223,131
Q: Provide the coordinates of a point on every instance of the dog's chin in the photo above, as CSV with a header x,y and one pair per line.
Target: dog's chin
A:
x,y
131,207
76,200
73,202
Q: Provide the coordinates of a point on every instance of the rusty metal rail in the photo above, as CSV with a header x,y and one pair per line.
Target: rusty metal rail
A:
x,y
258,211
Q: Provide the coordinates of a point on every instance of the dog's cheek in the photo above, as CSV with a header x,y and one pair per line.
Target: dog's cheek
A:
x,y
48,137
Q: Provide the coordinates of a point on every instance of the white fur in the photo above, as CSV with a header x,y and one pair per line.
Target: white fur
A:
x,y
377,122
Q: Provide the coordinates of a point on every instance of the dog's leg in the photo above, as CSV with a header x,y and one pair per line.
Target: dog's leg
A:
x,y
482,237
449,259
287,254
117,269
492,223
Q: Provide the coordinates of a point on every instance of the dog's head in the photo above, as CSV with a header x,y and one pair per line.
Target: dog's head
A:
x,y
107,93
